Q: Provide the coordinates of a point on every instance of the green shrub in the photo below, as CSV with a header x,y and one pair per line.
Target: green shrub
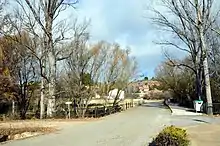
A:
x,y
171,136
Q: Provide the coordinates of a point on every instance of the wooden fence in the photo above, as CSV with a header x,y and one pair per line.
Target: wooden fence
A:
x,y
101,111
98,108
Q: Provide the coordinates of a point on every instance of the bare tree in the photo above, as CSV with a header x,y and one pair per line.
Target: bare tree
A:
x,y
27,77
119,69
190,23
83,69
51,10
178,80
42,22
8,89
7,70
20,66
3,15
20,27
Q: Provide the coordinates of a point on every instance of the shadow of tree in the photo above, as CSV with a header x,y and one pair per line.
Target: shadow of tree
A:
x,y
201,121
154,105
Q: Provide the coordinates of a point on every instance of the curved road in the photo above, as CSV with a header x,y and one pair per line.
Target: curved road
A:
x,y
134,127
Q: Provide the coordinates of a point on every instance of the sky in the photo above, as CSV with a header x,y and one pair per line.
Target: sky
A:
x,y
124,23
128,23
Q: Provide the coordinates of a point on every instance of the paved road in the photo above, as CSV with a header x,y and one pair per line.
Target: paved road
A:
x,y
134,127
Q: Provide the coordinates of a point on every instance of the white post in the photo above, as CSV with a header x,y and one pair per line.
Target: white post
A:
x,y
69,110
68,105
13,107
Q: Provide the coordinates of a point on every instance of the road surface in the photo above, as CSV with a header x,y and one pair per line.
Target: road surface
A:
x,y
134,127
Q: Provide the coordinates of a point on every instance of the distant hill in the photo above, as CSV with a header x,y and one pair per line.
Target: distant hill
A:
x,y
145,85
149,89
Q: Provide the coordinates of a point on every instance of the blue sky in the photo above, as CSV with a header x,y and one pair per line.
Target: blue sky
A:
x,y
127,23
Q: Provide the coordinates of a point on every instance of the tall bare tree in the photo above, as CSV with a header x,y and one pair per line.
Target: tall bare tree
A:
x,y
177,80
20,68
7,69
83,69
204,21
119,69
190,23
43,21
27,76
119,66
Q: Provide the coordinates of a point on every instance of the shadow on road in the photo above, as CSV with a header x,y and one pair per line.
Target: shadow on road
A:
x,y
190,110
155,105
201,121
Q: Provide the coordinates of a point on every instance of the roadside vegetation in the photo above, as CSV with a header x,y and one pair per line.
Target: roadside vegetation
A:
x,y
194,30
47,60
171,136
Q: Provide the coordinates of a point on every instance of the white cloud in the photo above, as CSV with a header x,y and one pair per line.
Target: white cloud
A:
x,y
127,23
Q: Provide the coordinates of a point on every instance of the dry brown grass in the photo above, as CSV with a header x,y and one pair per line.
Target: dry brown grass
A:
x,y
42,123
7,134
14,131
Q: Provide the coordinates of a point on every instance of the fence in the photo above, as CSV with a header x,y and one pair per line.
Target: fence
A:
x,y
98,111
104,108
102,111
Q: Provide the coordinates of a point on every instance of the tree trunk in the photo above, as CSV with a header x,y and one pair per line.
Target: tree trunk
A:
x,y
22,109
206,72
198,85
42,99
51,101
22,115
208,87
204,50
52,65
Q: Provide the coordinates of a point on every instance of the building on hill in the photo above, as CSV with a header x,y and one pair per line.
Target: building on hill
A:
x,y
144,86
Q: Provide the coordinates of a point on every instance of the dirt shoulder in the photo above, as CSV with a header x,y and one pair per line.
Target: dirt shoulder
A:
x,y
205,134
42,123
20,129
